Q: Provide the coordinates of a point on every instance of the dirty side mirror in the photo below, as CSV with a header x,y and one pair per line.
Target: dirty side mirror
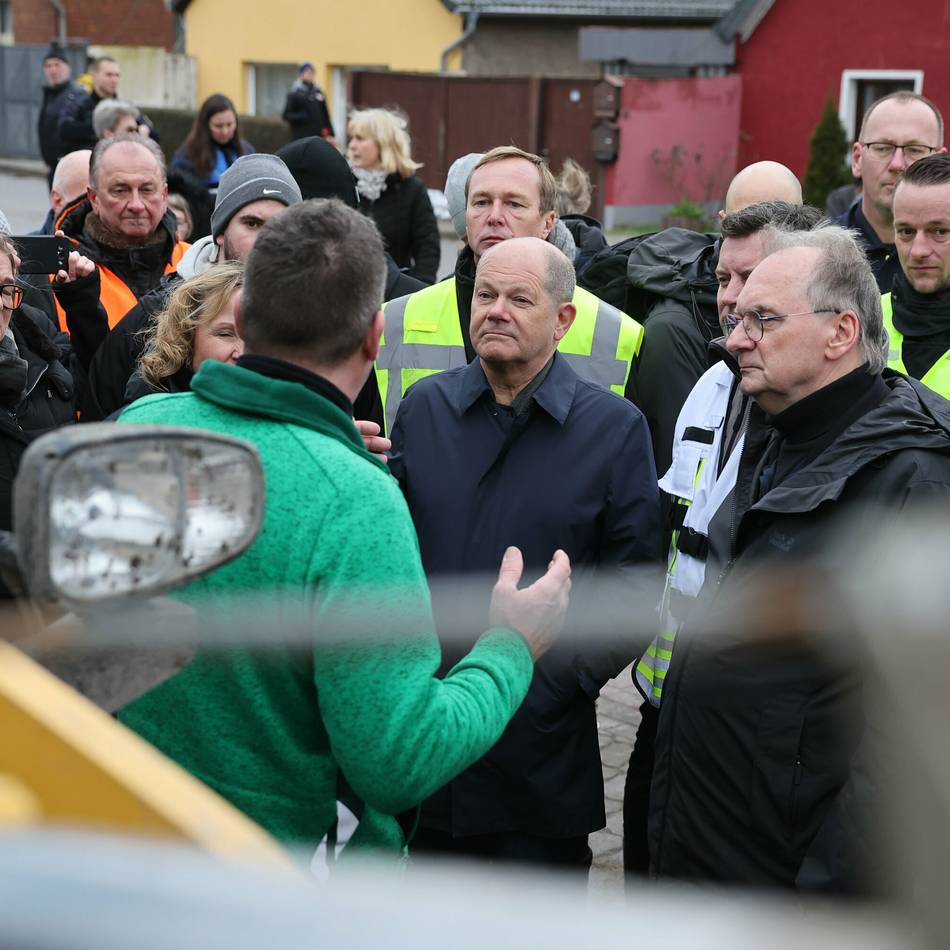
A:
x,y
104,513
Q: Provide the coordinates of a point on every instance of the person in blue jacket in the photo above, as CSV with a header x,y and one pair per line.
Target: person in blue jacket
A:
x,y
214,143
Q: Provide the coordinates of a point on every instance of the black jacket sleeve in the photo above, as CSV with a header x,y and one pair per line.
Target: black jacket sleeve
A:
x,y
114,362
294,109
424,244
86,318
629,560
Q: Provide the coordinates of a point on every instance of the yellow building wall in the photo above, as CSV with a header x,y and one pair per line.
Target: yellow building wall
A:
x,y
401,35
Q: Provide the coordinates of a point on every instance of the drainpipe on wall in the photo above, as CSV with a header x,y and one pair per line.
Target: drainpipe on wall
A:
x,y
471,21
61,16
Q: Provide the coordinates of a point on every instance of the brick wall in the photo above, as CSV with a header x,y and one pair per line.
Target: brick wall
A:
x,y
105,22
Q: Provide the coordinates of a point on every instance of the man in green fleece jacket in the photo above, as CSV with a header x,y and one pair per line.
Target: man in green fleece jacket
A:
x,y
275,732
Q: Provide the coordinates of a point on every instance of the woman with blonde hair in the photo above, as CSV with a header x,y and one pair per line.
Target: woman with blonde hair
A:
x,y
197,324
378,151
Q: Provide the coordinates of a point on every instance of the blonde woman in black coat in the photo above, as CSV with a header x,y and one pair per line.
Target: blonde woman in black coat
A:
x,y
378,151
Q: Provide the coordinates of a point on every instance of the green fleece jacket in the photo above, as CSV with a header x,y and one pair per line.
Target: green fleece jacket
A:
x,y
271,731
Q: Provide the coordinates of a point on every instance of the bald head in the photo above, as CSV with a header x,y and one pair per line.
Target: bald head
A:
x,y
70,179
540,258
762,181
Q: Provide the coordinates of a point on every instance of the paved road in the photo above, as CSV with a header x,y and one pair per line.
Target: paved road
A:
x,y
24,200
618,715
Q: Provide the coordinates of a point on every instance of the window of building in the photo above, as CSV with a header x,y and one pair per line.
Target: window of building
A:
x,y
267,87
860,87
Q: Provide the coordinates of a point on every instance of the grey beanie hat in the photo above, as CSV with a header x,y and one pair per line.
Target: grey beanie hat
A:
x,y
455,181
252,178
4,224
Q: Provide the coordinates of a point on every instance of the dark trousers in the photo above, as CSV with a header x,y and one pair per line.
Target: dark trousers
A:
x,y
505,847
636,794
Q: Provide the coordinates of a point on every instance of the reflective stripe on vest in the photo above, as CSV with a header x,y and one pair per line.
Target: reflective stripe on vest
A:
x,y
423,336
697,490
114,294
936,378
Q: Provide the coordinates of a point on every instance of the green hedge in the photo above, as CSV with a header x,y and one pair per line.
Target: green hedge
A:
x,y
173,125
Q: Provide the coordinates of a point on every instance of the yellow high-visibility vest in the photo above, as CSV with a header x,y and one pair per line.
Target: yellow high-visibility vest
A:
x,y
937,377
423,336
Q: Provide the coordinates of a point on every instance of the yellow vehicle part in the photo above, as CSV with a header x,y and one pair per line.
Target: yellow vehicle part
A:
x,y
67,760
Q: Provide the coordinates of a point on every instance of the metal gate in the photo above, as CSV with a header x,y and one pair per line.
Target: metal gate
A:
x,y
21,95
452,115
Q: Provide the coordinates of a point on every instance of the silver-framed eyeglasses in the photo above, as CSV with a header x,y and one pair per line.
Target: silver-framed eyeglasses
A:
x,y
884,151
754,321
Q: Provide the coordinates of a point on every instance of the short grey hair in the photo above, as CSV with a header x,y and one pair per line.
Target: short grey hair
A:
x,y
841,280
108,113
103,146
559,278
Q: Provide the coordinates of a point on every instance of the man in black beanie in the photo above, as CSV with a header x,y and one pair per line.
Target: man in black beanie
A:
x,y
322,172
250,193
58,85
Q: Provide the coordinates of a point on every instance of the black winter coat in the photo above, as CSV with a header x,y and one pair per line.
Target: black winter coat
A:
x,y
404,216
52,147
588,234
677,267
305,111
761,752
114,362
47,402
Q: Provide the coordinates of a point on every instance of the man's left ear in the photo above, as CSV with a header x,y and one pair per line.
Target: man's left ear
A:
x,y
847,335
565,317
548,225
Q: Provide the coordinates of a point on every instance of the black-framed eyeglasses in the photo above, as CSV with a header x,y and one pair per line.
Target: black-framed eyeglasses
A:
x,y
11,295
885,150
753,321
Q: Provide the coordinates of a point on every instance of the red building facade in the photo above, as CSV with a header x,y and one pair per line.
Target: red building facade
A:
x,y
804,51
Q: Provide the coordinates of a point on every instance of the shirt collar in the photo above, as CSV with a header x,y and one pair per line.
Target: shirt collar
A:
x,y
858,220
555,395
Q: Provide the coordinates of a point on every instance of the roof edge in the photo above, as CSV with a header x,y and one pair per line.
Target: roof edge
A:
x,y
743,19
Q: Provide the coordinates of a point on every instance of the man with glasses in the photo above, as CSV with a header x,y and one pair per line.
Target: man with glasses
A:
x,y
706,443
764,754
896,131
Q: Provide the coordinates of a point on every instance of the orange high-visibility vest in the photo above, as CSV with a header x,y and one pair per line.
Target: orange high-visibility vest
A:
x,y
114,294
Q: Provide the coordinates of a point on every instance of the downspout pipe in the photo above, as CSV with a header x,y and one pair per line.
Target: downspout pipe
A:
x,y
471,21
61,15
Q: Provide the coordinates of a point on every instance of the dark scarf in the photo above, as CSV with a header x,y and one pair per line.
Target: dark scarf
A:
x,y
924,320
139,264
806,429
14,369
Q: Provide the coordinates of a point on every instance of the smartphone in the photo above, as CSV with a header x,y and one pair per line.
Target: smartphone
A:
x,y
42,254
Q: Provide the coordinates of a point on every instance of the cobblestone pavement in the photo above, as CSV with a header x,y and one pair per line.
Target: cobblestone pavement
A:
x,y
618,715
